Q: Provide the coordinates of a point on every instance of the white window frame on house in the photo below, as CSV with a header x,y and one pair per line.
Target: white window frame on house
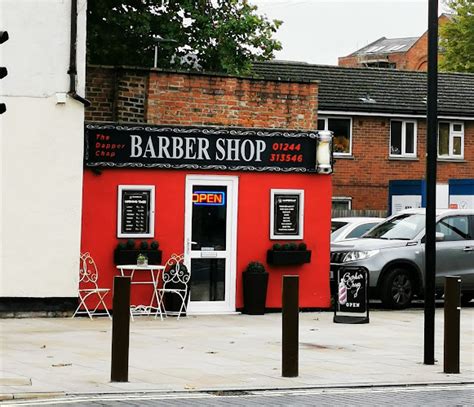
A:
x,y
325,119
403,153
346,199
452,135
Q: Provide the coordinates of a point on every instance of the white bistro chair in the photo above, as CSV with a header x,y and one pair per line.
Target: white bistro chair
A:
x,y
88,276
175,279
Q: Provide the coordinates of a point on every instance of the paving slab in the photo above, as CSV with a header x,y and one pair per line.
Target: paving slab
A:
x,y
41,356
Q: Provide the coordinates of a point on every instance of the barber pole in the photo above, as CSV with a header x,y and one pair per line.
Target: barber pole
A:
x,y
342,293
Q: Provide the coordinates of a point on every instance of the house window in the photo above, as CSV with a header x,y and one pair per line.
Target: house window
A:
x,y
342,129
341,203
450,140
402,138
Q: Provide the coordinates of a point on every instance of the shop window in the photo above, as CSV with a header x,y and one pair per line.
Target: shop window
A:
x,y
450,140
342,129
402,138
341,203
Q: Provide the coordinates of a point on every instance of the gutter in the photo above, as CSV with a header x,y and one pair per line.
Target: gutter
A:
x,y
72,71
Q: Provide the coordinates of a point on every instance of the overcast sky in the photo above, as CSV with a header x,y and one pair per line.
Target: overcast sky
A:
x,y
319,31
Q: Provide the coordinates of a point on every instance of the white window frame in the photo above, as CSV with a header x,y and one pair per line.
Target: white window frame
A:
x,y
300,192
121,189
347,199
404,134
326,118
452,135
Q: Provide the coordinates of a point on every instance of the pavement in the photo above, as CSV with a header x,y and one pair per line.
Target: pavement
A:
x,y
57,357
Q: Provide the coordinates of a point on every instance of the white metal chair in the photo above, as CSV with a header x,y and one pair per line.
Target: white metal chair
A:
x,y
88,276
175,279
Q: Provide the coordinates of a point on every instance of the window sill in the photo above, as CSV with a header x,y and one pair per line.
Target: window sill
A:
x,y
402,158
344,157
451,160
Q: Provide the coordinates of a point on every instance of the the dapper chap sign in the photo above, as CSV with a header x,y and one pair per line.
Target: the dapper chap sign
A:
x,y
200,148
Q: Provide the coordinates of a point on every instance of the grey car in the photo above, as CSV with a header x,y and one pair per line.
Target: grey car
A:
x,y
394,254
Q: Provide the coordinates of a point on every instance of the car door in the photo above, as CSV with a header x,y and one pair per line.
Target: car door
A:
x,y
455,253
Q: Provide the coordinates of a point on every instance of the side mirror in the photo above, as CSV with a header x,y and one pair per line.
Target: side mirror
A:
x,y
439,236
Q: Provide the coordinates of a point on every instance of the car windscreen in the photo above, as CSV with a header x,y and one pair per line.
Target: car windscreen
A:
x,y
403,227
335,225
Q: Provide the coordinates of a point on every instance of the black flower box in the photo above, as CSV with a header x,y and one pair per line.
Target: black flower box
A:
x,y
288,257
122,257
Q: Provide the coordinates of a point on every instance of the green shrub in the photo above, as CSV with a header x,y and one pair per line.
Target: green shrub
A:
x,y
255,267
293,246
130,244
121,246
277,246
144,245
302,246
154,245
286,247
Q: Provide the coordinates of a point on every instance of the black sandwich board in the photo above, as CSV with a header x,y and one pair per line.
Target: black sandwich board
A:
x,y
351,301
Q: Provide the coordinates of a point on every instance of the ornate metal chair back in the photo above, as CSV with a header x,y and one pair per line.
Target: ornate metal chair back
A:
x,y
88,273
175,271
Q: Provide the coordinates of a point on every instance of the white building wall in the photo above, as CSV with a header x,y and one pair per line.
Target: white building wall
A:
x,y
41,150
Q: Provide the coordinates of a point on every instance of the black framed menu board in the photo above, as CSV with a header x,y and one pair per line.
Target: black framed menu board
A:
x,y
286,214
136,210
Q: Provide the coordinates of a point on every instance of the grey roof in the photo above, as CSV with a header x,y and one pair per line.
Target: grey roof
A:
x,y
377,90
386,46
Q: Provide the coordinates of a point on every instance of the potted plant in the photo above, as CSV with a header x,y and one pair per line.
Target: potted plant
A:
x,y
288,254
128,252
255,283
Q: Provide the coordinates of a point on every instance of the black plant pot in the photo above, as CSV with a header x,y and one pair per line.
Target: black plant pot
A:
x,y
255,292
288,257
130,256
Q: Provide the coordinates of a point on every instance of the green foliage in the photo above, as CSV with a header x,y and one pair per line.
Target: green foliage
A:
x,y
302,246
144,245
130,244
457,37
121,246
276,246
154,245
293,246
255,267
225,36
286,246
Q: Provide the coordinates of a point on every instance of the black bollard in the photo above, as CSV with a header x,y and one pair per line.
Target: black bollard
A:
x,y
120,329
452,320
290,326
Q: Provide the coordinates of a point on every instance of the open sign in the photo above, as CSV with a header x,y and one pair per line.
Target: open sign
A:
x,y
214,198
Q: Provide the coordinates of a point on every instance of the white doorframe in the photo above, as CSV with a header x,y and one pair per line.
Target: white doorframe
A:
x,y
232,183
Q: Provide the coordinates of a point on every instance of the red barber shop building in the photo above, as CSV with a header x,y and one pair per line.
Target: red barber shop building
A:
x,y
224,170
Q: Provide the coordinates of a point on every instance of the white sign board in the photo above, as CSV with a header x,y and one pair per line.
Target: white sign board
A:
x,y
402,202
461,201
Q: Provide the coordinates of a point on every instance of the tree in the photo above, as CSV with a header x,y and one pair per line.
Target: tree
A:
x,y
457,37
213,35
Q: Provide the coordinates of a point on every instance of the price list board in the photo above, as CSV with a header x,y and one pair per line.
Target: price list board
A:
x,y
135,212
287,215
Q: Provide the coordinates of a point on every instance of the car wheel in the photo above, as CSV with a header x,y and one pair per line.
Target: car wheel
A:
x,y
397,289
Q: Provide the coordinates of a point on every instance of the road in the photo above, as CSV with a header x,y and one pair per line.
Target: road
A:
x,y
439,395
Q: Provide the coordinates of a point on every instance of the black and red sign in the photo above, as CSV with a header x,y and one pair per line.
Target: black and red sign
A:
x,y
200,148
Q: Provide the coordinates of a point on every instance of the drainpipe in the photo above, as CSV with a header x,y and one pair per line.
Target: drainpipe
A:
x,y
72,72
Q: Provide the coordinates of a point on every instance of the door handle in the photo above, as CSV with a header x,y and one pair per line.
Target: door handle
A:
x,y
189,242
468,249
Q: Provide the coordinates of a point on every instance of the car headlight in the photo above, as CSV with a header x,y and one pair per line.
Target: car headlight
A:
x,y
359,255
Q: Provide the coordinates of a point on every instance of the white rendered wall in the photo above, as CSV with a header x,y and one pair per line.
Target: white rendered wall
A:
x,y
41,150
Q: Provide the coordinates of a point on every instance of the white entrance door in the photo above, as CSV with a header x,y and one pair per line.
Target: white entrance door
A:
x,y
210,242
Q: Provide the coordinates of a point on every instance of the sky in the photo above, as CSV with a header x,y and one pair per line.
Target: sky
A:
x,y
320,31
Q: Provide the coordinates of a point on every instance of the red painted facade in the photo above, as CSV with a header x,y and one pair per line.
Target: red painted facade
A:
x,y
99,226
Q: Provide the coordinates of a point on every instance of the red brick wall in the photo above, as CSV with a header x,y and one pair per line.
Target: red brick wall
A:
x,y
366,174
190,99
144,96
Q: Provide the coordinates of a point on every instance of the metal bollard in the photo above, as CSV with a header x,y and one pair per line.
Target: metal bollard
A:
x,y
120,329
452,320
290,326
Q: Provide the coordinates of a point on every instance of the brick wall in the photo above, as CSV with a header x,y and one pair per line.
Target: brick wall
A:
x,y
366,174
155,97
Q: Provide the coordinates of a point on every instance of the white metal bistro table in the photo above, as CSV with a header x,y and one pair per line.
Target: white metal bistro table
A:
x,y
130,270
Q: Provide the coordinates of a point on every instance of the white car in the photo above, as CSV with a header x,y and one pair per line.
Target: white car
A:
x,y
351,228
